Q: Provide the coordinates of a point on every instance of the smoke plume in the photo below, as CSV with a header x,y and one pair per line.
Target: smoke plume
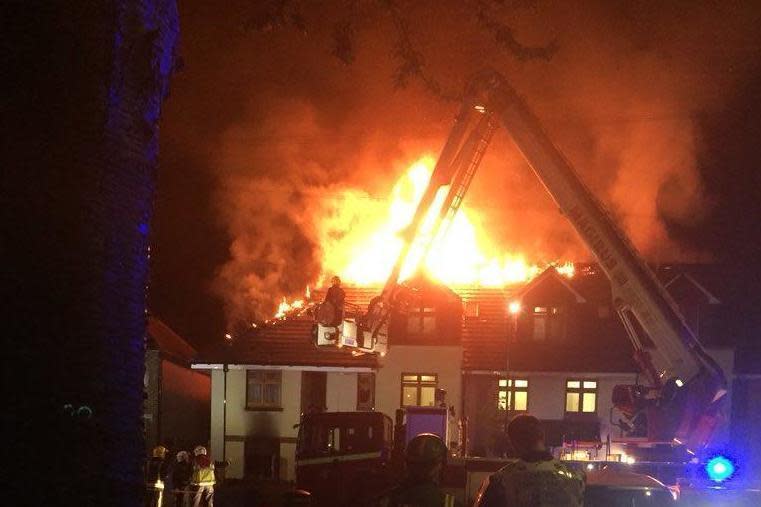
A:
x,y
622,97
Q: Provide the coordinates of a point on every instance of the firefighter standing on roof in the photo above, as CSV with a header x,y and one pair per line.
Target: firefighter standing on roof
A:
x,y
336,296
425,457
536,478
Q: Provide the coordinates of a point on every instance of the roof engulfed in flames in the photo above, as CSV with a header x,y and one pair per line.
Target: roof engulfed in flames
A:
x,y
361,240
461,254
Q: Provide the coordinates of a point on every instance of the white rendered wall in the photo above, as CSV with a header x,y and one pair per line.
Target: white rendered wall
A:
x,y
446,362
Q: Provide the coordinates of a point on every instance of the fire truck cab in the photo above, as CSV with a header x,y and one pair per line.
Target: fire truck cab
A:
x,y
341,456
347,456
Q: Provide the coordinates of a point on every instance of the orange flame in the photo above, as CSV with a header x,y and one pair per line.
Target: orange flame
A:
x,y
285,308
361,240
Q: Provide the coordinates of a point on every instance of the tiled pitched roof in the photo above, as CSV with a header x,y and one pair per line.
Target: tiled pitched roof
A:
x,y
604,348
168,342
484,336
284,343
486,345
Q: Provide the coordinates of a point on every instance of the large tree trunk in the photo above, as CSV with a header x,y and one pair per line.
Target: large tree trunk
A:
x,y
79,157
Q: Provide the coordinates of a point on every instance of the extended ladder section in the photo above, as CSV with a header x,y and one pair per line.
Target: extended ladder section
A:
x,y
481,138
456,166
688,380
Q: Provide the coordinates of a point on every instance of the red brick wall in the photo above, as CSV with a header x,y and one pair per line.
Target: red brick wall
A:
x,y
185,406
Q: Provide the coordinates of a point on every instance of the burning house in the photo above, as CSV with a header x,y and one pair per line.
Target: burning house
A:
x,y
483,333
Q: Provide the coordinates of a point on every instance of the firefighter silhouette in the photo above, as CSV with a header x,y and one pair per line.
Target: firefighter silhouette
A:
x,y
332,308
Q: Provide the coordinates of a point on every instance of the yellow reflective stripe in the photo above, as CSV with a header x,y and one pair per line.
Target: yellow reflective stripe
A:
x,y
203,483
448,501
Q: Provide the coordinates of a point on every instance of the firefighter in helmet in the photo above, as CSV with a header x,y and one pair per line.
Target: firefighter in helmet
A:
x,y
202,479
156,469
536,478
425,458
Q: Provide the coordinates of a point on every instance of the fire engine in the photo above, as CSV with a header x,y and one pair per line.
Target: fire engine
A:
x,y
680,403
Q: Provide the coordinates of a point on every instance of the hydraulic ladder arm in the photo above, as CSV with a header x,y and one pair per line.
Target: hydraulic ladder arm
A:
x,y
689,382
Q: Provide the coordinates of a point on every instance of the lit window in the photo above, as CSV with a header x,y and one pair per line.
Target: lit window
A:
x,y
421,321
513,395
419,389
263,389
581,396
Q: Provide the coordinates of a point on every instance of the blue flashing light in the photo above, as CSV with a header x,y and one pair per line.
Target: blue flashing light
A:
x,y
719,469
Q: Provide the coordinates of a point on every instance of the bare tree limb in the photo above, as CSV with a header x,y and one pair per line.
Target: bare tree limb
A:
x,y
503,34
410,62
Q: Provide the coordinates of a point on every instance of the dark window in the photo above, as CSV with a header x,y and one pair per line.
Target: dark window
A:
x,y
580,396
263,389
548,323
421,321
419,389
513,394
313,391
365,391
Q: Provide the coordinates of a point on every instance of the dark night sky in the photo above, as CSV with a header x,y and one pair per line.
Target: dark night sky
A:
x,y
235,96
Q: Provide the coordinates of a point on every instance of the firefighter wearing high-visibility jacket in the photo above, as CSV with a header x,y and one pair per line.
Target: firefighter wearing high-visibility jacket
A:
x,y
155,475
425,457
536,478
203,477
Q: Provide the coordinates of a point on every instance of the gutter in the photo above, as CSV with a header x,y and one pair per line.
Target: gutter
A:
x,y
342,369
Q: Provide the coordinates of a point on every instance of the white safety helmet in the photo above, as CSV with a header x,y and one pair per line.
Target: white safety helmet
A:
x,y
199,450
183,456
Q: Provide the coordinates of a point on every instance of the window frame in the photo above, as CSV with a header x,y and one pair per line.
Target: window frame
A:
x,y
419,314
263,406
512,388
418,384
553,323
581,391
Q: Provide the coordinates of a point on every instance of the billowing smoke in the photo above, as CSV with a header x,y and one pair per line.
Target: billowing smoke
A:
x,y
621,97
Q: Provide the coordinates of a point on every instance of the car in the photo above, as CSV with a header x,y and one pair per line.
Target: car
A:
x,y
613,488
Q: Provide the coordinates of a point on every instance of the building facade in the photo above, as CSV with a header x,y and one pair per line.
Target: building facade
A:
x,y
554,348
263,381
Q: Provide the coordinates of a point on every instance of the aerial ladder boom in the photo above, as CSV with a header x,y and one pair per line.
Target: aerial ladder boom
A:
x,y
689,382
456,166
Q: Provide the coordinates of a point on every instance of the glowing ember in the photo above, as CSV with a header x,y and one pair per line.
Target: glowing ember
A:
x,y
362,239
